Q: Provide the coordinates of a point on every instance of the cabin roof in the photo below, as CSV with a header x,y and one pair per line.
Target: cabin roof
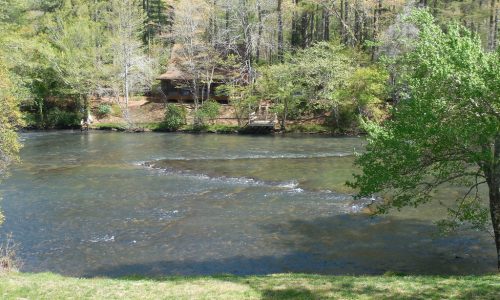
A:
x,y
175,72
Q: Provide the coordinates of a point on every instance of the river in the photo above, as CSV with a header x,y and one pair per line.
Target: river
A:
x,y
114,204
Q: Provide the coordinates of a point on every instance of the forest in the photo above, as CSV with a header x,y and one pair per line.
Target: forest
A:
x,y
333,61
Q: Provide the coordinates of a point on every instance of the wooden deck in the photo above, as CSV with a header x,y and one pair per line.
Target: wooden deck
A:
x,y
261,121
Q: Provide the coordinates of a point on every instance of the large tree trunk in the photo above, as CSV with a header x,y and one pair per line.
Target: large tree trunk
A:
x,y
127,92
492,173
326,25
491,33
495,29
280,32
342,29
494,187
259,34
303,29
295,26
345,38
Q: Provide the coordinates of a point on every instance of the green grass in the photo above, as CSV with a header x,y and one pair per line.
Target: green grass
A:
x,y
308,128
153,126
281,286
122,126
109,126
216,128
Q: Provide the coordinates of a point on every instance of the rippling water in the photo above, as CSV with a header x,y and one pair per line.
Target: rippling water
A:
x,y
160,204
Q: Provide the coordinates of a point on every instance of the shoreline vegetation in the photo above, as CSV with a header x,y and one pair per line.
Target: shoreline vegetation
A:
x,y
15,285
216,128
151,115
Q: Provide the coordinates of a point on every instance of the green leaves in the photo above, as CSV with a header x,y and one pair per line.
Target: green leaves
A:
x,y
209,110
10,120
175,117
307,81
441,131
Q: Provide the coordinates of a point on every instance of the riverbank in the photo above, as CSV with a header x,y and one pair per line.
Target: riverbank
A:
x,y
148,115
215,128
280,286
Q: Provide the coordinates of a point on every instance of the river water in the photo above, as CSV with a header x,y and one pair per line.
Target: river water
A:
x,y
113,204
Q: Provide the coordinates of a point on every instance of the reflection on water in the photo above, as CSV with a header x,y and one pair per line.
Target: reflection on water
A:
x,y
116,204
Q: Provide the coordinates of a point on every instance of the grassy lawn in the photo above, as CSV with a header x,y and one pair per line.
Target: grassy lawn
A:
x,y
281,286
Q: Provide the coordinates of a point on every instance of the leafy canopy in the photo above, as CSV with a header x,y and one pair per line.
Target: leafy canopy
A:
x,y
443,129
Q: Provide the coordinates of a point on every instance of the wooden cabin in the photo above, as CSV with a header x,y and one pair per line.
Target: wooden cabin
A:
x,y
175,82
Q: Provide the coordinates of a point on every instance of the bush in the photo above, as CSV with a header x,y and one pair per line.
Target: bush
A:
x,y
30,120
8,259
104,110
209,110
57,118
175,117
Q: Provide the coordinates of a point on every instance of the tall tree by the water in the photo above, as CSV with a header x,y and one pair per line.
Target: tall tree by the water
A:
x,y
445,129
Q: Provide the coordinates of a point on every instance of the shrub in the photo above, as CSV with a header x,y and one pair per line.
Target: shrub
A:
x,y
57,118
104,110
30,120
175,117
209,110
116,110
8,259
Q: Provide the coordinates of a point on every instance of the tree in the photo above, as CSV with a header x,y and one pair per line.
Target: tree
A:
x,y
323,71
10,120
133,68
77,41
307,81
10,116
188,30
365,93
445,130
277,84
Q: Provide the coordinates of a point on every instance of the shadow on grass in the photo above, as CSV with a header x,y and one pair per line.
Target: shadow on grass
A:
x,y
303,286
290,293
412,288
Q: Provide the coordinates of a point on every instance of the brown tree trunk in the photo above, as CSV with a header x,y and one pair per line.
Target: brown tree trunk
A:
x,y
295,26
346,21
495,213
377,15
280,32
227,26
357,22
259,34
310,36
342,29
495,29
326,25
303,29
284,117
491,33
213,28
492,173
